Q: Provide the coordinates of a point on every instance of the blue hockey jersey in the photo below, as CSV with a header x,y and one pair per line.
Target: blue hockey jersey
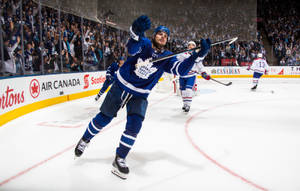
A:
x,y
111,70
138,75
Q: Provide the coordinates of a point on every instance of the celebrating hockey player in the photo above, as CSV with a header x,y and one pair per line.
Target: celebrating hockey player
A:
x,y
134,82
187,83
110,76
260,67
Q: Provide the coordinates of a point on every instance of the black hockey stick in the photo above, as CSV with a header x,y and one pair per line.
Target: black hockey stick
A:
x,y
225,84
231,40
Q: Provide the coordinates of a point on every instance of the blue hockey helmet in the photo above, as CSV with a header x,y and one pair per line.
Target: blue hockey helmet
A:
x,y
162,28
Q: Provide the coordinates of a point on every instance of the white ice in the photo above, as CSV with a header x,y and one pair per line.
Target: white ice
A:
x,y
232,139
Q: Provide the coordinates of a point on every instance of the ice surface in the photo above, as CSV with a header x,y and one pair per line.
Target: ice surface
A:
x,y
232,139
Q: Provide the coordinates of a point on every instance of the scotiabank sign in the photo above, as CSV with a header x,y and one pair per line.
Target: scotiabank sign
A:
x,y
98,80
86,81
91,80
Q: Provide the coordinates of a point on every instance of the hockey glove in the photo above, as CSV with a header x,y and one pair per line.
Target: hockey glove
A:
x,y
109,77
248,67
205,76
140,25
266,72
205,47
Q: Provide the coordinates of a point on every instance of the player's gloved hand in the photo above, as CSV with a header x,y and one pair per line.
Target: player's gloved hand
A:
x,y
205,75
266,72
248,68
109,77
140,25
205,47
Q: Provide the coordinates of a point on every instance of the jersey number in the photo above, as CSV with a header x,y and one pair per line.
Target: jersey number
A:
x,y
261,64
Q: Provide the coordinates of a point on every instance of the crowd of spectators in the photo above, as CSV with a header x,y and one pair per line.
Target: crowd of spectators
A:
x,y
56,41
282,25
242,52
191,19
53,41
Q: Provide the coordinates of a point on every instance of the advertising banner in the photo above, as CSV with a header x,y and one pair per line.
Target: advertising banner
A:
x,y
235,71
20,95
20,91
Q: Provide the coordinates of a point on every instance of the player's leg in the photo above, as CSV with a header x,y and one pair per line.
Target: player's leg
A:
x,y
94,127
182,88
256,77
108,111
136,109
188,93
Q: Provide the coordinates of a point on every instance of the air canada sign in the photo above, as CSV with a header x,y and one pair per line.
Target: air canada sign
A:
x,y
60,84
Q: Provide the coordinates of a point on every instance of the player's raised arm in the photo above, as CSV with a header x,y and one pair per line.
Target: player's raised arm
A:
x,y
137,35
182,68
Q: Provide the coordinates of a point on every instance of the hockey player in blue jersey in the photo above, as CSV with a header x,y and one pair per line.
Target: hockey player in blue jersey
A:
x,y
134,81
110,76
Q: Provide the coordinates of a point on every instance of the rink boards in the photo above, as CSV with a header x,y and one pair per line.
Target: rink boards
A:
x,y
22,95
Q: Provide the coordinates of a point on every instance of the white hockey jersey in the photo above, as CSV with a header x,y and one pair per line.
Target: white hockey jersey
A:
x,y
260,65
198,66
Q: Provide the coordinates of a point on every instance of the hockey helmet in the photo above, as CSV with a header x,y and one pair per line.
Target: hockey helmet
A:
x,y
259,55
192,42
162,28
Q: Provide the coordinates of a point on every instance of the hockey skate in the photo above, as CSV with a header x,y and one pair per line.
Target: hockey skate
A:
x,y
120,168
186,108
254,88
80,147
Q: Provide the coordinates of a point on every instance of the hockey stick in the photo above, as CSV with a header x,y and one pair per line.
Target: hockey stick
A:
x,y
231,40
225,84
228,84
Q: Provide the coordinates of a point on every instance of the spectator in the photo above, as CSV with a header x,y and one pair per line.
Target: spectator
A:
x,y
9,65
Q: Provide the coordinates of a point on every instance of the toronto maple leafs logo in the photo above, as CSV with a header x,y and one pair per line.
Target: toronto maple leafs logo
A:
x,y
144,69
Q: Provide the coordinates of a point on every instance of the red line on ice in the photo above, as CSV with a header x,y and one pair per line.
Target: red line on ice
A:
x,y
209,157
66,149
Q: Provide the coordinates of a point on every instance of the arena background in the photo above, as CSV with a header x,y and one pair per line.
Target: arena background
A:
x,y
216,19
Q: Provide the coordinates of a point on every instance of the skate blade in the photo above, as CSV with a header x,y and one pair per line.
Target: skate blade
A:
x,y
119,174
